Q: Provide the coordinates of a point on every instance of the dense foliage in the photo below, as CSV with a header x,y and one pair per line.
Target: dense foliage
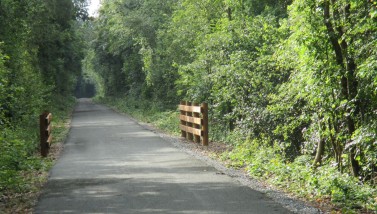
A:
x,y
40,59
297,78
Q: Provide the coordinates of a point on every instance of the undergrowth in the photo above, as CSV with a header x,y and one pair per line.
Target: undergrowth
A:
x,y
164,118
22,170
265,162
346,192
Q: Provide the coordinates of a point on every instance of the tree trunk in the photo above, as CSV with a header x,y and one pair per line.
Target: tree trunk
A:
x,y
348,78
335,143
319,154
320,147
229,12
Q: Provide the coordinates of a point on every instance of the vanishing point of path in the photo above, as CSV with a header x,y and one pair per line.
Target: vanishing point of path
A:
x,y
110,164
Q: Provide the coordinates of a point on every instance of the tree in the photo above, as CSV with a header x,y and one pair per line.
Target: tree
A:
x,y
325,53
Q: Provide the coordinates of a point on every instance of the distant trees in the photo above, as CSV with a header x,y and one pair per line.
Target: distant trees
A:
x,y
127,49
299,74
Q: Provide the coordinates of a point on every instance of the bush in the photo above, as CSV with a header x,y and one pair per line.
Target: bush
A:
x,y
22,169
299,177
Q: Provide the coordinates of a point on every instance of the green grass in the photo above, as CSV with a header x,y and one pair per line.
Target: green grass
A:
x,y
163,118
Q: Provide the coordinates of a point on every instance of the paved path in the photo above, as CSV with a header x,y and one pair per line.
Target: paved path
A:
x,y
110,164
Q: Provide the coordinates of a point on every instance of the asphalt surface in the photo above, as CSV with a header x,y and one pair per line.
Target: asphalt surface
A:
x,y
110,164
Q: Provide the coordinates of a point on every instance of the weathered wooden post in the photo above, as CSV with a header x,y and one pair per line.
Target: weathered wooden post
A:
x,y
204,109
197,126
190,136
45,132
183,122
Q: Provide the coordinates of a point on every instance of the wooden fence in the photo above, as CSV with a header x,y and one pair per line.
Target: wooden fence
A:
x,y
194,122
45,132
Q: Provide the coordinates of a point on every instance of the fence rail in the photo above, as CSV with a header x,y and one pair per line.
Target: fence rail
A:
x,y
45,132
194,121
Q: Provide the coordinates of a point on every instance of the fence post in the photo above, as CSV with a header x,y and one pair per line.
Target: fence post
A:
x,y
183,133
190,136
197,126
43,136
204,109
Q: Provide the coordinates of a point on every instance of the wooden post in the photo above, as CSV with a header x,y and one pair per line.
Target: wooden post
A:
x,y
183,133
204,109
45,128
197,115
190,136
43,136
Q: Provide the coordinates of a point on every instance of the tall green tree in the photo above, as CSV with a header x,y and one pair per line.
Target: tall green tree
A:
x,y
331,44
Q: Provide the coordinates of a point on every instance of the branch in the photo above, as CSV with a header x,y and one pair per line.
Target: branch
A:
x,y
331,33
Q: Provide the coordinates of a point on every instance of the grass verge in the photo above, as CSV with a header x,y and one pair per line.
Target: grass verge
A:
x,y
148,112
332,190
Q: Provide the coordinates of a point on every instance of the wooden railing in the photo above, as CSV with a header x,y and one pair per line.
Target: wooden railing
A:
x,y
194,122
45,132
